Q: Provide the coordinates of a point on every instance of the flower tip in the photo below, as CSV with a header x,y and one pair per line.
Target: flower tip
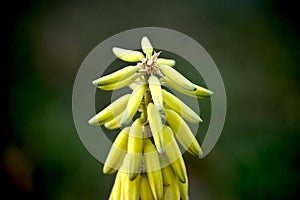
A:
x,y
123,125
93,121
125,121
200,155
172,63
210,92
161,150
159,107
146,46
118,51
145,38
115,49
200,120
107,170
95,83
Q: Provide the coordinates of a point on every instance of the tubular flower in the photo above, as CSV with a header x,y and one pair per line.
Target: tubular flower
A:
x,y
145,154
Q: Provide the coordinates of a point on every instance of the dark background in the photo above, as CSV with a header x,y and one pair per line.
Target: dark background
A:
x,y
255,44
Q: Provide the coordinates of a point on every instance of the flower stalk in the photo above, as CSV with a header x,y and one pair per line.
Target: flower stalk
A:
x,y
145,154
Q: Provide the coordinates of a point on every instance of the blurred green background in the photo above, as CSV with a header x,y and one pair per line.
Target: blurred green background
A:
x,y
255,44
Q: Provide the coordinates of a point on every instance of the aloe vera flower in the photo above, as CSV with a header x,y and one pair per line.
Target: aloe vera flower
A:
x,y
153,122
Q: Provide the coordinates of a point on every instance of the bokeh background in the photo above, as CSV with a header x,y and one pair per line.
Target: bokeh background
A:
x,y
255,44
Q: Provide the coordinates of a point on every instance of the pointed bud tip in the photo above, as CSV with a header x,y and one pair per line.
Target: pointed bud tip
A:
x,y
159,107
172,63
132,176
145,39
200,154
161,150
95,83
107,170
199,118
118,51
114,49
93,121
125,122
123,125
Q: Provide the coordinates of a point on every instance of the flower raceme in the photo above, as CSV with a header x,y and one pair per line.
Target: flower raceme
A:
x,y
145,154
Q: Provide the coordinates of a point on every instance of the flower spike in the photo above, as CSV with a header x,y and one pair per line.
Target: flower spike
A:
x,y
145,154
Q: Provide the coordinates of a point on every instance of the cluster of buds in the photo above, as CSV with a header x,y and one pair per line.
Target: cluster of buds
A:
x,y
145,153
